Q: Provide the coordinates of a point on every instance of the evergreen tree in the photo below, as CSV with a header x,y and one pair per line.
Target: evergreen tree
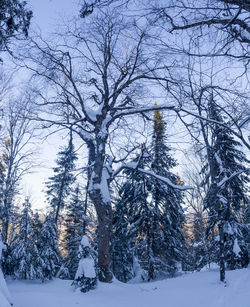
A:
x,y
59,185
37,226
227,192
149,214
24,258
168,239
75,228
85,278
246,226
132,224
14,20
48,247
123,240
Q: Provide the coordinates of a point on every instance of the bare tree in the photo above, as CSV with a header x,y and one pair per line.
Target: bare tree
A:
x,y
94,78
200,20
16,159
216,30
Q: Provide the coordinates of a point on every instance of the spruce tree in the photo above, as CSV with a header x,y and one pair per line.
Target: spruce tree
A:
x,y
48,248
246,226
86,277
227,192
24,258
59,185
14,21
149,214
37,226
75,228
123,240
168,239
132,224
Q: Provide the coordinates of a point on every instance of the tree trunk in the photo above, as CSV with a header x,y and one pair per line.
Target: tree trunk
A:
x,y
104,213
222,257
100,196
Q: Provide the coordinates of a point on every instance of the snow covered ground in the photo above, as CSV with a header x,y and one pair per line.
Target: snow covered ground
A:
x,y
189,290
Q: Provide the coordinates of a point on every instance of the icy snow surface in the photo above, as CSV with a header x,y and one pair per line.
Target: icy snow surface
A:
x,y
189,290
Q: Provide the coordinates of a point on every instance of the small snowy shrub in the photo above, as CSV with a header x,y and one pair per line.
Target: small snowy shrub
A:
x,y
85,277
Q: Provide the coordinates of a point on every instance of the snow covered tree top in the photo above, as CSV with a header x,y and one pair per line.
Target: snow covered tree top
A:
x,y
2,247
85,241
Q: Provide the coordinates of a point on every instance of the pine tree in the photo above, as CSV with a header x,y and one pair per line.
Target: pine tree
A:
x,y
169,239
132,223
150,214
14,20
123,240
24,257
246,226
59,185
75,228
36,226
48,248
85,278
227,192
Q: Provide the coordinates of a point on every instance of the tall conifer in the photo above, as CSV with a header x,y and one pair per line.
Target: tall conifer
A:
x,y
149,215
59,185
227,192
48,248
24,258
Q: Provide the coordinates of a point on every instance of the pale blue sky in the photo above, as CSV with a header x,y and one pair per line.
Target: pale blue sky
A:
x,y
47,15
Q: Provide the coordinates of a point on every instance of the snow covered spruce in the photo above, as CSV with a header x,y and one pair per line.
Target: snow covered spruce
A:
x,y
86,278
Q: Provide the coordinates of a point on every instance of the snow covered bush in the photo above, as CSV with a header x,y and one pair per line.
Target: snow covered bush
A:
x,y
85,277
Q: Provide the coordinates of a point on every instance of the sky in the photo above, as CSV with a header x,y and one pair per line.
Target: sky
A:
x,y
47,15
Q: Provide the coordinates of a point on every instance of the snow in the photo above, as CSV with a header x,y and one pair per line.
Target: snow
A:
x,y
165,180
228,229
189,290
2,247
86,267
84,242
236,247
133,165
225,178
5,299
103,186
